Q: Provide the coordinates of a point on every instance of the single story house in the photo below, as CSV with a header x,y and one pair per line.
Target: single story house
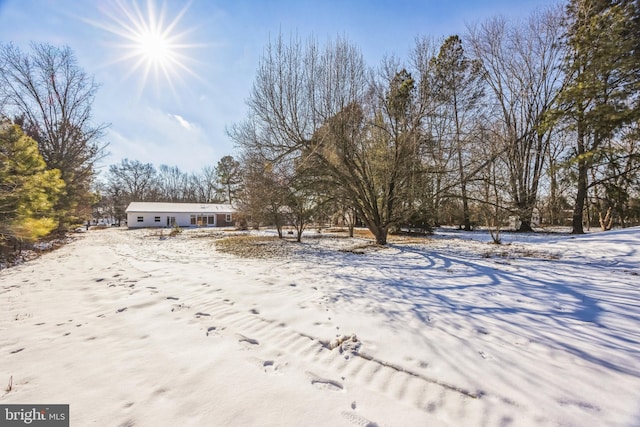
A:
x,y
159,214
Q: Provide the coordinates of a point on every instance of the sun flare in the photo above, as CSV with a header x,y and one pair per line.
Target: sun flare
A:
x,y
154,47
151,45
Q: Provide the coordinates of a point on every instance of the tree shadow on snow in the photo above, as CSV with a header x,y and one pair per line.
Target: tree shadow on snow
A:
x,y
562,304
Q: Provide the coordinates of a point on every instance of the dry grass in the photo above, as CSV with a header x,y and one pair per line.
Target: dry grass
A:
x,y
363,233
362,248
254,246
513,252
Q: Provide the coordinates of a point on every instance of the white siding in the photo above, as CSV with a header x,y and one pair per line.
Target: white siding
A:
x,y
182,212
182,219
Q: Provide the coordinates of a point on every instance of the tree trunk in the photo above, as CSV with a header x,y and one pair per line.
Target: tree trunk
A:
x,y
581,193
525,226
463,185
299,230
466,217
554,210
380,234
278,226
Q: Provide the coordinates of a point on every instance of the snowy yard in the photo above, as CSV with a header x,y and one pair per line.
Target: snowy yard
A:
x,y
131,329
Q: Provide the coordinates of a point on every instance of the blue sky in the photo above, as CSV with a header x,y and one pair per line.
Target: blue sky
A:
x,y
180,120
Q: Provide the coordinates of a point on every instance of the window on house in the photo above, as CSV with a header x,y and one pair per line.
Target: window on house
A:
x,y
228,218
157,219
193,220
140,219
211,220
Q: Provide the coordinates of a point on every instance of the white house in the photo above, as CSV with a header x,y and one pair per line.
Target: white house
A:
x,y
158,214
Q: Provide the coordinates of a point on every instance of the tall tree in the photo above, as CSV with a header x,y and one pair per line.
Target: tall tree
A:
x,y
228,177
316,107
54,97
135,178
522,69
171,184
28,191
458,81
203,185
602,66
393,150
435,152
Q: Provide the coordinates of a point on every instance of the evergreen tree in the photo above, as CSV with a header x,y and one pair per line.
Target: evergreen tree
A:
x,y
603,70
28,191
228,177
458,80
53,97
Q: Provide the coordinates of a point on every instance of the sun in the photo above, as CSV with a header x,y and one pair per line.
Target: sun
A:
x,y
148,43
155,48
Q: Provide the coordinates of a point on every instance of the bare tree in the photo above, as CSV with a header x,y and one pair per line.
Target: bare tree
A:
x,y
557,185
134,178
202,185
53,98
322,109
263,196
522,69
172,183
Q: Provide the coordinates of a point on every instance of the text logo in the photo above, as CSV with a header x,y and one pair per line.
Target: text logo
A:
x,y
34,415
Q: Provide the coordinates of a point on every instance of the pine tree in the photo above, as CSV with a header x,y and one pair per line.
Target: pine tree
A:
x,y
460,92
28,191
53,98
603,70
228,177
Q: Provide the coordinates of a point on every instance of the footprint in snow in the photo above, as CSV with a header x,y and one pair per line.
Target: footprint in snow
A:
x,y
324,383
270,367
213,330
248,340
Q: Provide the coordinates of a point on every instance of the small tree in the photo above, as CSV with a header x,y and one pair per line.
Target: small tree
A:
x,y
263,196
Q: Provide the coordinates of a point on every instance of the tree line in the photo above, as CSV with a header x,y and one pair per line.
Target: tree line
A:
x,y
132,180
533,120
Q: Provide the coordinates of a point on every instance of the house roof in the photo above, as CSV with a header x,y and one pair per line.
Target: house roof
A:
x,y
193,208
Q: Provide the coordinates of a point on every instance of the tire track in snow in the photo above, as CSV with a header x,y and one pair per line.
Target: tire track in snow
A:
x,y
268,337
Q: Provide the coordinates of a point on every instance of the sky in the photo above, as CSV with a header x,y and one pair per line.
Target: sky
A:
x,y
174,75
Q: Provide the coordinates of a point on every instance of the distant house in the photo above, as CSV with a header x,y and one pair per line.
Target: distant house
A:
x,y
157,214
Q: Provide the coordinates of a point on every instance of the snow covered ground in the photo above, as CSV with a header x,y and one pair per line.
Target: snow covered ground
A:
x,y
132,329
